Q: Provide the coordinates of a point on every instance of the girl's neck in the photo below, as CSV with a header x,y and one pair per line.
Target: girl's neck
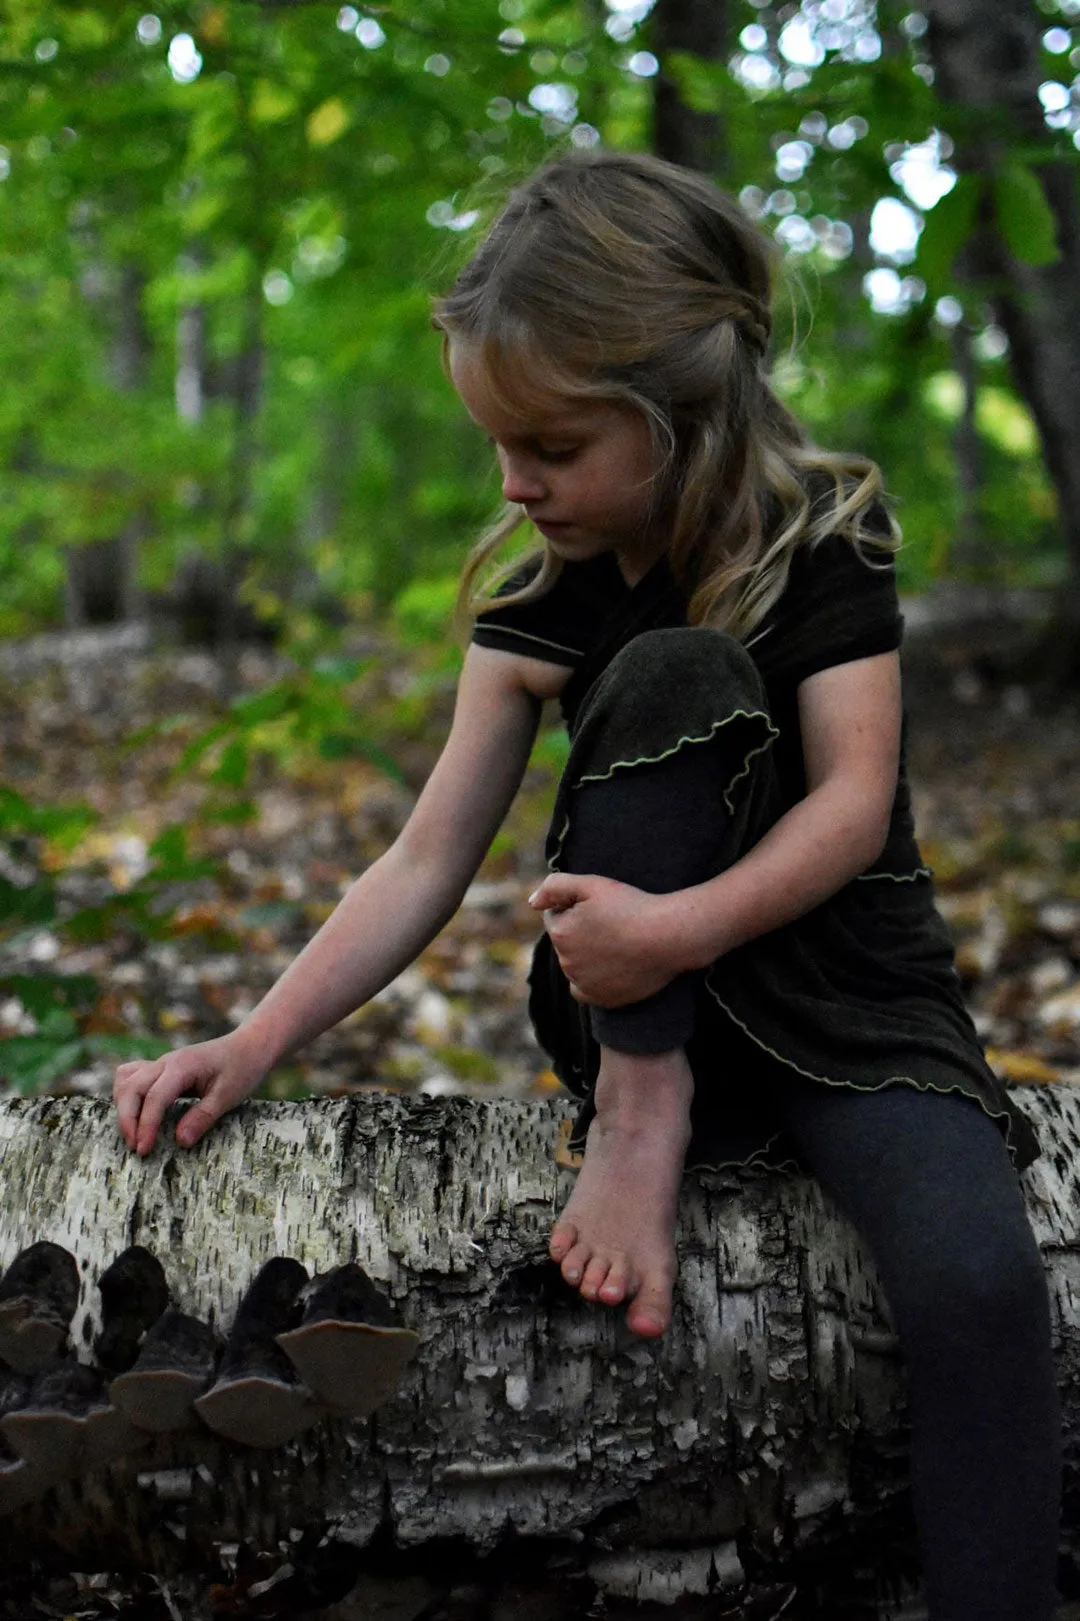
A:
x,y
636,560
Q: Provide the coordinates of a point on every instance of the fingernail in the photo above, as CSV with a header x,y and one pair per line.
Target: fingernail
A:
x,y
532,897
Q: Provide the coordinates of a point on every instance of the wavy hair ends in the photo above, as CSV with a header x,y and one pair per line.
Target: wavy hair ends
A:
x,y
620,277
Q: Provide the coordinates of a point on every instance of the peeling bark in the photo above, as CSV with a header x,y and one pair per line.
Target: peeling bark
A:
x,y
769,1418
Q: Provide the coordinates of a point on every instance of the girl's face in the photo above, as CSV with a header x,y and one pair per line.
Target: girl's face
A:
x,y
583,470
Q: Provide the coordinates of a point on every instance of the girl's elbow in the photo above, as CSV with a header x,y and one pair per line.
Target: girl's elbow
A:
x,y
877,834
443,865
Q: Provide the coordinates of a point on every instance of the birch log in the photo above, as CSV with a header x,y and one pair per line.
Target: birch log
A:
x,y
771,1411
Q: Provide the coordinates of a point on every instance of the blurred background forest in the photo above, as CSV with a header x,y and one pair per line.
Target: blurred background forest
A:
x,y
237,488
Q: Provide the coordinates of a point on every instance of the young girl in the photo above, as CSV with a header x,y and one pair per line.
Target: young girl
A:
x,y
741,959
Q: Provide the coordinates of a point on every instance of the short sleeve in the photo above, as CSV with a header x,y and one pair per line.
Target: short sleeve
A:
x,y
840,605
561,626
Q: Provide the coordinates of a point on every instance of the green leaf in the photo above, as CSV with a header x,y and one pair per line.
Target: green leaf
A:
x,y
41,993
234,814
59,1024
948,226
31,1063
29,903
345,745
172,863
199,745
1024,215
264,706
120,1047
232,768
701,85
64,823
328,122
339,668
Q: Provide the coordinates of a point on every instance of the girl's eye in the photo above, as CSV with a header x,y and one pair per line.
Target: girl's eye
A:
x,y
543,452
557,453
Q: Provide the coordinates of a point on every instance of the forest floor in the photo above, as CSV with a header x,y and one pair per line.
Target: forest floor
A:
x,y
996,774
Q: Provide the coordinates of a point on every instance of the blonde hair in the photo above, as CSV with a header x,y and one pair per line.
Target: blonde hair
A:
x,y
620,277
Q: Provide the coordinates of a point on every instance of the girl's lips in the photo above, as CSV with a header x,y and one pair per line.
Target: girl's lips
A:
x,y
551,530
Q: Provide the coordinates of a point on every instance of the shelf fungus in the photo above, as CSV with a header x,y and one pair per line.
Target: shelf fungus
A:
x,y
134,1294
258,1398
49,1424
351,1347
175,1364
38,1296
299,1350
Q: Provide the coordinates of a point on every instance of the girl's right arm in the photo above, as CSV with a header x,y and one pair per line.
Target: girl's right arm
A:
x,y
384,921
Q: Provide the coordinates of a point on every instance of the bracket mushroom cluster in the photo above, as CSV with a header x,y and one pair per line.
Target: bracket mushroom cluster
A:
x,y
300,1349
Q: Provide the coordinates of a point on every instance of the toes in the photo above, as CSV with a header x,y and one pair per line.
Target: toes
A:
x,y
595,1274
617,1284
574,1264
564,1236
650,1310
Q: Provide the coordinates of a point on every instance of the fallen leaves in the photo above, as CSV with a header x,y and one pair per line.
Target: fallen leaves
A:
x,y
996,807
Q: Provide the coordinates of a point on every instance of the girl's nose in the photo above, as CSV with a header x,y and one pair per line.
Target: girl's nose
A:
x,y
520,483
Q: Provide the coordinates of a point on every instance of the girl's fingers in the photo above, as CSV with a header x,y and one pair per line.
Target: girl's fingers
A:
x,y
131,1084
144,1090
560,890
201,1116
169,1085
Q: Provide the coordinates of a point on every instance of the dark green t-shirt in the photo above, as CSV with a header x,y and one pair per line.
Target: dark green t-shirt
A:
x,y
835,608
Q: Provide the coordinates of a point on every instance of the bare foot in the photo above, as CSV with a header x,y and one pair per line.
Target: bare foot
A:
x,y
616,1238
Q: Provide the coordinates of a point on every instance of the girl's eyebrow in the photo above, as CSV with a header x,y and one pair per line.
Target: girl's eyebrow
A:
x,y
533,433
551,428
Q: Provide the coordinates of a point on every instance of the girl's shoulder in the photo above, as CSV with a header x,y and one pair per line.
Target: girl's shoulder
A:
x,y
839,604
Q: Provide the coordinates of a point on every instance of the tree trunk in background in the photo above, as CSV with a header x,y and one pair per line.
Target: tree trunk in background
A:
x,y
204,598
968,550
767,1426
246,395
987,60
100,583
697,140
189,383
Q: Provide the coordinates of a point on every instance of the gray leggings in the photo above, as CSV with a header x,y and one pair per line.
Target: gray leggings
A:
x,y
926,1180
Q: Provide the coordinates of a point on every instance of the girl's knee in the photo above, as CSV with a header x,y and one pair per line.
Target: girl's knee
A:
x,y
976,1291
685,654
680,672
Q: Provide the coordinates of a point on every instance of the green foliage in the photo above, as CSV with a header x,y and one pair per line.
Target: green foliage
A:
x,y
215,282
948,227
58,1006
1024,215
313,708
301,187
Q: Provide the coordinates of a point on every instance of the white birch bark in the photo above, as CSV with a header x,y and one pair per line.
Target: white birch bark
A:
x,y
777,1390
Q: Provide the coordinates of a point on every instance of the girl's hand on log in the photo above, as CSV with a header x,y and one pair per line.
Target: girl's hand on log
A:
x,y
219,1071
612,940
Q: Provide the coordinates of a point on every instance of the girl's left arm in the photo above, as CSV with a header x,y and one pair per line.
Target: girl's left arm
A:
x,y
618,944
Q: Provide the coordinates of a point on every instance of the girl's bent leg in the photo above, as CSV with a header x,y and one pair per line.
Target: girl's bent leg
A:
x,y
616,1237
648,800
660,827
926,1180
